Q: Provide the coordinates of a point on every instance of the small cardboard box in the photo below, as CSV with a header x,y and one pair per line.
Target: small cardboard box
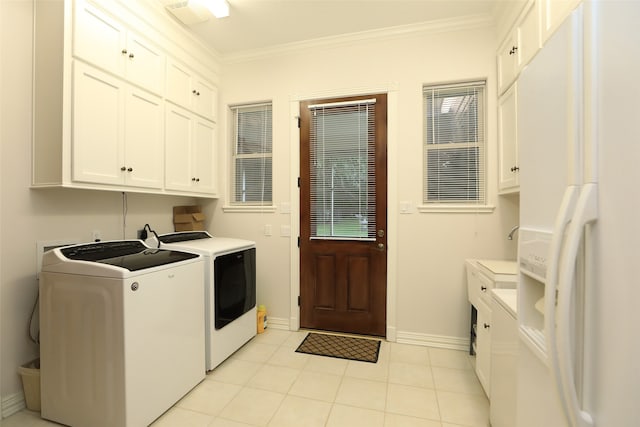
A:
x,y
188,218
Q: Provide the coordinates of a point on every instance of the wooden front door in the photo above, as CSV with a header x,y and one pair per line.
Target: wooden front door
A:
x,y
343,214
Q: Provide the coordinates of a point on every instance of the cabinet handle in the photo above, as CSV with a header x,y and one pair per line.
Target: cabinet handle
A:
x,y
483,288
513,50
129,169
197,179
515,169
487,326
193,91
123,168
124,51
131,55
193,179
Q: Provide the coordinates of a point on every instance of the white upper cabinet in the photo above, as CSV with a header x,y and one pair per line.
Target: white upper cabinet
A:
x,y
554,13
190,152
117,131
189,90
520,46
508,169
106,43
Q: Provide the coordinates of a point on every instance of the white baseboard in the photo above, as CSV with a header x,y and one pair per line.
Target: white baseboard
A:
x,y
440,341
12,404
278,323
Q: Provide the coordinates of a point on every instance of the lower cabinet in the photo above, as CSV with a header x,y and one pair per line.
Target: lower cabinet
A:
x,y
483,345
190,164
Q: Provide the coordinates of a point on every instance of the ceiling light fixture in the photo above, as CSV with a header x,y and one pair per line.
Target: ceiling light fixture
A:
x,y
219,8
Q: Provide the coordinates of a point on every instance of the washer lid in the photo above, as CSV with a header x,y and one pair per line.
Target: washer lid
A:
x,y
182,236
132,255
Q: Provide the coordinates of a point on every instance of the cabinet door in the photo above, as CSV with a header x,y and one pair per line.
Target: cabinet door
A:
x,y
97,143
507,141
178,148
178,87
144,64
529,35
483,346
205,170
507,62
206,98
554,13
98,38
143,139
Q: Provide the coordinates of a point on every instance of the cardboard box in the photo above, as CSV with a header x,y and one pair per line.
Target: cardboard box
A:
x,y
188,218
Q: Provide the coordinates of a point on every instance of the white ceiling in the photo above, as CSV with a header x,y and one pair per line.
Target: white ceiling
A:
x,y
262,24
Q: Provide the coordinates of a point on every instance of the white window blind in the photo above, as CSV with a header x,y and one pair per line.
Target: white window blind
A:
x,y
252,155
454,143
342,170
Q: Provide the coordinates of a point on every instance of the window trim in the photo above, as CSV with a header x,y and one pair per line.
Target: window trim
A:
x,y
461,206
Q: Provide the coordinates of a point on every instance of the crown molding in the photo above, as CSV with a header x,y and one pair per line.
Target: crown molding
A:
x,y
411,30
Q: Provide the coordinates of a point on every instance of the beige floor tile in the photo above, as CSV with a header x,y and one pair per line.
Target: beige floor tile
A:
x,y
410,374
395,420
234,371
447,358
412,401
369,371
327,365
222,422
295,339
272,336
348,416
408,353
465,409
457,380
274,378
362,393
286,356
178,417
209,397
255,352
297,411
253,406
316,385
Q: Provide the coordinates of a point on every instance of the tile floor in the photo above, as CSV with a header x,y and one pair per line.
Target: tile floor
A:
x,y
266,383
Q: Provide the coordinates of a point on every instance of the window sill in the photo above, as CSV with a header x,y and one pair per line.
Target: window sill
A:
x,y
442,208
249,209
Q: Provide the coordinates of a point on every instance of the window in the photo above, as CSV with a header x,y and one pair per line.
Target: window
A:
x,y
454,144
342,142
251,162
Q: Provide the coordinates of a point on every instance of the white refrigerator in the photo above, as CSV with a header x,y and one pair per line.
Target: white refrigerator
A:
x,y
579,244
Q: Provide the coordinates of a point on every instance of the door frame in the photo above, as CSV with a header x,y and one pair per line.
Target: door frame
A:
x,y
392,197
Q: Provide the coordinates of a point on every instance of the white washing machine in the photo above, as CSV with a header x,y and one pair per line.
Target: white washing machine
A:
x,y
230,289
121,329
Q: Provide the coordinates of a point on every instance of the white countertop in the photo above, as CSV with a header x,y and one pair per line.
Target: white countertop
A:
x,y
498,266
508,298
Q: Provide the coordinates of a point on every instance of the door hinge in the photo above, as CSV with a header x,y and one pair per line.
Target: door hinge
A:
x,y
298,182
298,300
298,241
298,122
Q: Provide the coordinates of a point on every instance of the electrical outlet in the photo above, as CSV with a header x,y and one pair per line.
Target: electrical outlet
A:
x,y
96,236
268,230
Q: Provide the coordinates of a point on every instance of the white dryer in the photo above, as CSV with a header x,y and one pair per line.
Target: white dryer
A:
x,y
121,329
230,289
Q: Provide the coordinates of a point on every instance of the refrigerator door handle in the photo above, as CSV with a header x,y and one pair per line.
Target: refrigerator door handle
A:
x,y
563,217
586,212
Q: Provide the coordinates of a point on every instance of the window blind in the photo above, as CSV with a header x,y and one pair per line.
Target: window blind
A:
x,y
454,143
252,154
342,170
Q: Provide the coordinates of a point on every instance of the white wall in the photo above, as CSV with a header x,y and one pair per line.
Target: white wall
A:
x,y
431,248
27,216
